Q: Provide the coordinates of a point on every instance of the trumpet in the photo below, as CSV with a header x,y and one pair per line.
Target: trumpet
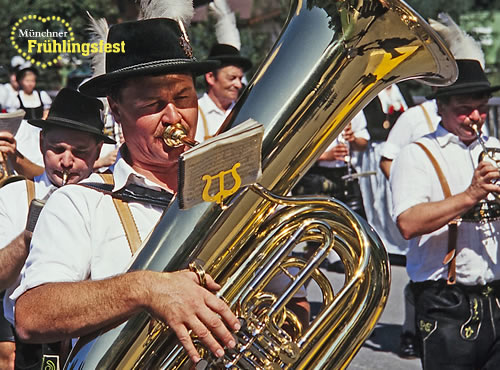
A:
x,y
65,176
488,154
7,173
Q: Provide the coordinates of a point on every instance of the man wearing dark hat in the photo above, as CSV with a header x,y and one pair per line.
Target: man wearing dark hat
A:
x,y
444,203
223,88
80,252
70,141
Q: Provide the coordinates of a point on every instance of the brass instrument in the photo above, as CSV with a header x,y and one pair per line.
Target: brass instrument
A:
x,y
7,173
331,59
175,136
491,155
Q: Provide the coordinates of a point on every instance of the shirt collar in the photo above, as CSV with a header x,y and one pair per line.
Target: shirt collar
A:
x,y
44,180
444,137
210,106
124,174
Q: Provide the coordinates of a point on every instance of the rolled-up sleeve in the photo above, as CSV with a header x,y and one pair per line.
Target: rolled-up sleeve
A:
x,y
60,249
409,179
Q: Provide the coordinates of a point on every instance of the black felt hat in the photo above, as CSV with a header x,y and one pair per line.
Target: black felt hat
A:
x,y
75,111
152,46
471,80
229,55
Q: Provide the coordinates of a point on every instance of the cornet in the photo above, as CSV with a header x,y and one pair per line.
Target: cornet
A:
x,y
491,155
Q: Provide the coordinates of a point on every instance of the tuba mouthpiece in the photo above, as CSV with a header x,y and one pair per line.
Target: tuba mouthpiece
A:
x,y
176,136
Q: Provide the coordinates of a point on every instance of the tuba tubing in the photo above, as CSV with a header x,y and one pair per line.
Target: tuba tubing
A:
x,y
331,58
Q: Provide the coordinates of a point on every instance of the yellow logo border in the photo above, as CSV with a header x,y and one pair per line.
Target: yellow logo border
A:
x,y
33,17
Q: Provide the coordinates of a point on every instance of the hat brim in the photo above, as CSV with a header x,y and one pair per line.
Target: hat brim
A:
x,y
99,86
243,62
462,90
72,125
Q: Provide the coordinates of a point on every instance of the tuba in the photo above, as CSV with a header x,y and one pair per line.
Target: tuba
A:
x,y
331,59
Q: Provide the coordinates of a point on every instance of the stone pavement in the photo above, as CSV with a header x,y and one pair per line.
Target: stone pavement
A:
x,y
380,350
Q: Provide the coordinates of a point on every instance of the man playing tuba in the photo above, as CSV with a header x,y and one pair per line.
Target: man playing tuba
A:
x,y
75,280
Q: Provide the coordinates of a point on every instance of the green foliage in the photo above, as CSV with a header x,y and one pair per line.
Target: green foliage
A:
x,y
73,11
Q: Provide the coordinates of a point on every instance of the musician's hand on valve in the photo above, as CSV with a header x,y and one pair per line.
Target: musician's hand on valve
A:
x,y
483,181
7,143
177,299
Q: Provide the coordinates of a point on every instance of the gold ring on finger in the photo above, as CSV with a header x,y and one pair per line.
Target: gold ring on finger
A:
x,y
200,272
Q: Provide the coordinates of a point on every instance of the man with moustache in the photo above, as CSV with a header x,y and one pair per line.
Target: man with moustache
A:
x,y
80,260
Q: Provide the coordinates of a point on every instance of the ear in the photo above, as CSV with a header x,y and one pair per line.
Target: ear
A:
x,y
114,109
98,150
439,107
210,78
42,142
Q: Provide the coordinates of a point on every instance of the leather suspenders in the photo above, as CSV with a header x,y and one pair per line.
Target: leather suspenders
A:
x,y
427,118
126,217
205,124
450,258
122,208
30,190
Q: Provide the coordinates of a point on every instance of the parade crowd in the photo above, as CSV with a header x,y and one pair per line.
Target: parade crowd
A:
x,y
97,176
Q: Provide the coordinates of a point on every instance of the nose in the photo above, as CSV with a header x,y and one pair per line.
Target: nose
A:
x,y
475,115
171,115
66,159
238,83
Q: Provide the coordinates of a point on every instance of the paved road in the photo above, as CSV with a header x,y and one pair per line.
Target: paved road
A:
x,y
380,350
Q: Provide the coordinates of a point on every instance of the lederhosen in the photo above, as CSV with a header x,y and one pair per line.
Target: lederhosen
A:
x,y
458,325
32,113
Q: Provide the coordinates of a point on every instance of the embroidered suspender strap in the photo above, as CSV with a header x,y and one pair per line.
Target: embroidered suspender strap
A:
x,y
449,259
30,190
205,124
427,118
126,217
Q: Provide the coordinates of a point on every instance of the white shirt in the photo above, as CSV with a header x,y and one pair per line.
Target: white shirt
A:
x,y
28,142
13,216
79,235
9,95
358,125
212,115
30,101
414,181
410,126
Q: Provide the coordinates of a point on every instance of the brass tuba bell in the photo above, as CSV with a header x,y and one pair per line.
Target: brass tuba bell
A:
x,y
331,59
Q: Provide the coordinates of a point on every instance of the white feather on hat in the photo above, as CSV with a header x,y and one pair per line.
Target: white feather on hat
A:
x,y
98,31
461,45
226,31
182,10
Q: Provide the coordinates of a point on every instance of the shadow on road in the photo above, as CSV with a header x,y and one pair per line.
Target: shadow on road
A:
x,y
384,338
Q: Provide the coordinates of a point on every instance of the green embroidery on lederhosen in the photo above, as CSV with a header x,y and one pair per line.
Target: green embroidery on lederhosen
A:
x,y
470,329
50,362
